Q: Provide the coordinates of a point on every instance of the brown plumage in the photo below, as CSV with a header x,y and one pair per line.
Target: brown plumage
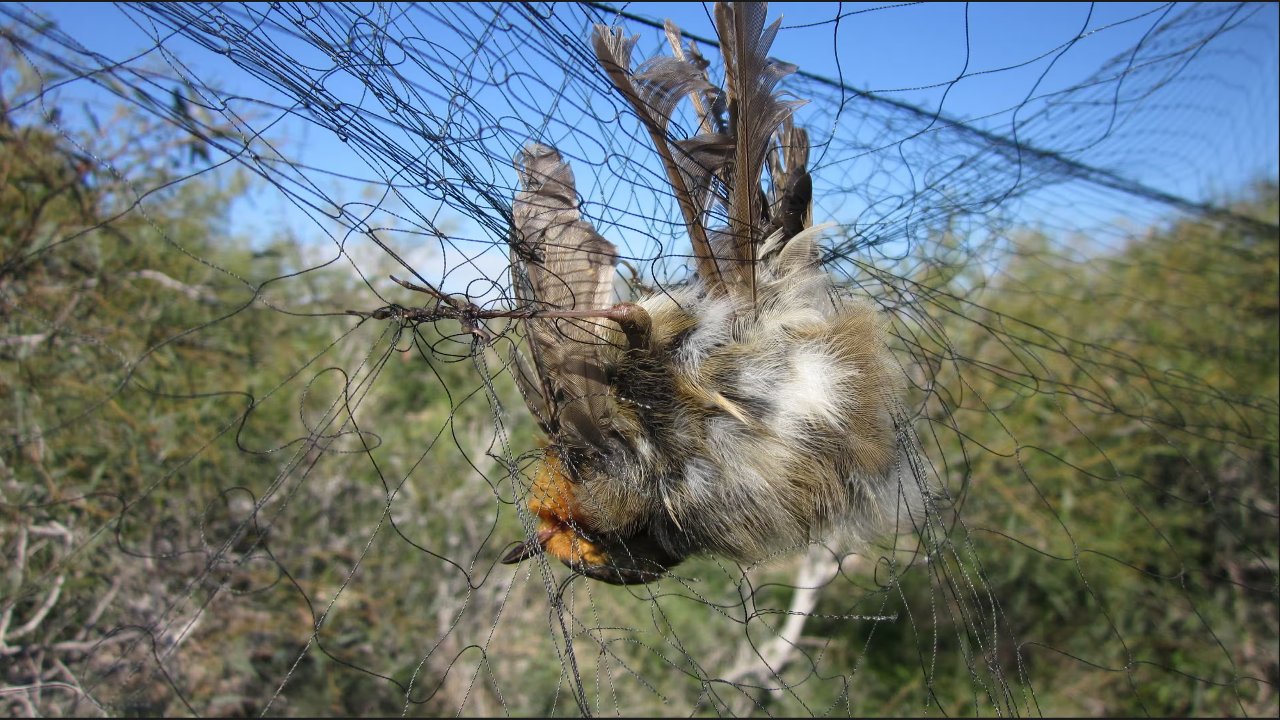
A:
x,y
745,413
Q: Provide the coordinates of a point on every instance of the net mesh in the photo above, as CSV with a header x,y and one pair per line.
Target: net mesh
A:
x,y
239,476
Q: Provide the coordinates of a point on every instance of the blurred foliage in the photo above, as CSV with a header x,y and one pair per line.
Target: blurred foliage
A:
x,y
205,460
199,442
1112,429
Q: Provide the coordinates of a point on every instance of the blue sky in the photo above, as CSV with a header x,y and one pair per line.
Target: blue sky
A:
x,y
894,50
978,61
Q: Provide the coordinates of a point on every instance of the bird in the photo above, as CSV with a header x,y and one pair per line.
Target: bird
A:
x,y
750,410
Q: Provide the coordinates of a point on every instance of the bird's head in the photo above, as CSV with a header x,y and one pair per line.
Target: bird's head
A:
x,y
565,534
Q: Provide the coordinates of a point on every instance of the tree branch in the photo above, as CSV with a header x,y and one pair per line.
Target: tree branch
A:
x,y
767,662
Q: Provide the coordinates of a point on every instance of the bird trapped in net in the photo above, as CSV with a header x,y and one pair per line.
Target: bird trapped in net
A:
x,y
745,412
222,494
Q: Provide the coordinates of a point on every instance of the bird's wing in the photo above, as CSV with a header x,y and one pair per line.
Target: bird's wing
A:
x,y
560,263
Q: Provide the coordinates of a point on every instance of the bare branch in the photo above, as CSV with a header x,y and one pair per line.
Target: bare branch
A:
x,y
767,662
28,341
18,568
100,608
50,600
197,293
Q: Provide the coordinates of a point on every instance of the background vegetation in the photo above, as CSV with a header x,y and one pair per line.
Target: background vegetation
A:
x,y
219,494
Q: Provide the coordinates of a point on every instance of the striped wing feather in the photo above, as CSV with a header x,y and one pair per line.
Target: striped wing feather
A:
x,y
560,263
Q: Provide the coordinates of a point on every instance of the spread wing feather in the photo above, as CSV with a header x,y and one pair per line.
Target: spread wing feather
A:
x,y
722,166
653,90
755,113
560,263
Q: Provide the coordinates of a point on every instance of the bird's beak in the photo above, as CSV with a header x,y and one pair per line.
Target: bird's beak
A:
x,y
532,547
522,551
